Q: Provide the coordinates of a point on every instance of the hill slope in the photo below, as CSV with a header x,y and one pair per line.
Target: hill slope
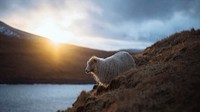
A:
x,y
167,78
28,58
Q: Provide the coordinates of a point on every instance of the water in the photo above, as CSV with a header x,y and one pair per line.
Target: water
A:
x,y
38,98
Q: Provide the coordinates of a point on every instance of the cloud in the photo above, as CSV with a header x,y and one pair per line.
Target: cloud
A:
x,y
141,19
140,10
109,22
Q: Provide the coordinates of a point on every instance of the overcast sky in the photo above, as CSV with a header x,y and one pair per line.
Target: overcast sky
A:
x,y
102,24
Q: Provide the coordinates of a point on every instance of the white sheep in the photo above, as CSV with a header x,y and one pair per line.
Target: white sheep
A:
x,y
104,70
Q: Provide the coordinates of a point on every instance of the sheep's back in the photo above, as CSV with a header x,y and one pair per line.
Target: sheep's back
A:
x,y
120,61
115,65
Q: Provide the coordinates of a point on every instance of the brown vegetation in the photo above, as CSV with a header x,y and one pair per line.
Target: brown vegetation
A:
x,y
166,79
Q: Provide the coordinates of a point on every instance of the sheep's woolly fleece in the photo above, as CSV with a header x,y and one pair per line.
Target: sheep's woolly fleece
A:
x,y
104,70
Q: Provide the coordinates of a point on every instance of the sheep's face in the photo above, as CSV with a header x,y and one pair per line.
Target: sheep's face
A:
x,y
91,65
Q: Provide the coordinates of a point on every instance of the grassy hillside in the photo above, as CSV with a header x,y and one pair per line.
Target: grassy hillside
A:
x,y
39,60
166,79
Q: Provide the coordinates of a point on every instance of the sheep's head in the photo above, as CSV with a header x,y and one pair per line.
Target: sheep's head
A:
x,y
91,65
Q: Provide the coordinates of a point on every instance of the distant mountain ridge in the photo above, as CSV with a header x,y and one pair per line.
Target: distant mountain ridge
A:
x,y
9,31
13,32
6,30
28,58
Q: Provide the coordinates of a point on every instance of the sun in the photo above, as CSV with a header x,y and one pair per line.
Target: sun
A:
x,y
51,30
55,42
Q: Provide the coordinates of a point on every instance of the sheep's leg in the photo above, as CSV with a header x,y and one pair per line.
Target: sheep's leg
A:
x,y
97,79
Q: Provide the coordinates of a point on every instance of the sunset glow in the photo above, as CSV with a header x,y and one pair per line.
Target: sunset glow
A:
x,y
50,29
98,24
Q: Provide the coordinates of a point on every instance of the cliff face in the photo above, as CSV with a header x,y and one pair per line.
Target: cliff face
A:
x,y
167,78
